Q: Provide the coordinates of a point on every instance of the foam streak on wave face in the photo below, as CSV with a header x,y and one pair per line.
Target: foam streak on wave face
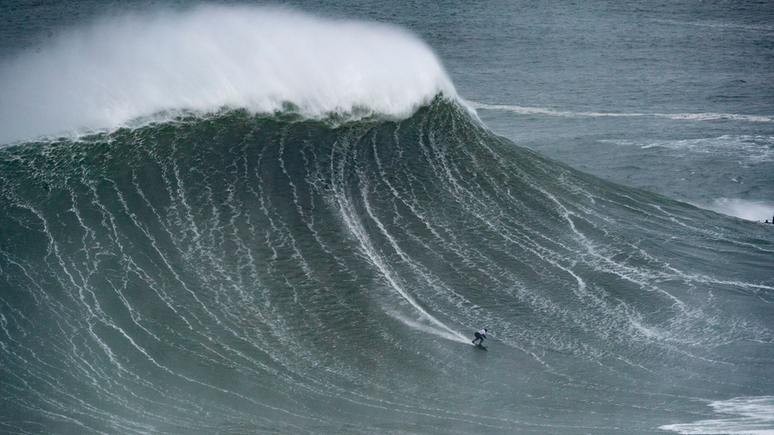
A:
x,y
211,57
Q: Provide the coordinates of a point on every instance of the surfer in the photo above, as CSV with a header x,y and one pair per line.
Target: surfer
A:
x,y
480,335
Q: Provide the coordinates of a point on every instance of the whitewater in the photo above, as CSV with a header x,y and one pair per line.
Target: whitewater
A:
x,y
121,70
245,220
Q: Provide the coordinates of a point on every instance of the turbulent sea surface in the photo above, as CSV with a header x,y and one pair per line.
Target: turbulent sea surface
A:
x,y
246,220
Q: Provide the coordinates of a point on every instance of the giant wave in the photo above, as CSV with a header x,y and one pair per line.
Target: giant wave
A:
x,y
253,272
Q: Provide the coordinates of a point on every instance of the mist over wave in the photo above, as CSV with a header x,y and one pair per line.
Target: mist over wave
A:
x,y
748,210
212,57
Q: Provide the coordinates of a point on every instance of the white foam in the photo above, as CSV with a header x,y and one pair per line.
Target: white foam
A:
x,y
522,110
743,209
754,416
743,149
421,324
211,57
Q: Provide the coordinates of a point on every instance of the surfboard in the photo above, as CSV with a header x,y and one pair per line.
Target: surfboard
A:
x,y
481,346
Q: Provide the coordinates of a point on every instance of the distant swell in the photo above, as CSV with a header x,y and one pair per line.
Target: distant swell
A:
x,y
570,114
212,57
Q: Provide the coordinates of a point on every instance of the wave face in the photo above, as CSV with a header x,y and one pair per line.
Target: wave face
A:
x,y
130,67
247,273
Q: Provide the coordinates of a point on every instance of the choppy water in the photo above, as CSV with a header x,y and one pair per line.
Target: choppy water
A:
x,y
310,251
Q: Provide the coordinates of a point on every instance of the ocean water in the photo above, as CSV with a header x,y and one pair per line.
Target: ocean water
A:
x,y
249,219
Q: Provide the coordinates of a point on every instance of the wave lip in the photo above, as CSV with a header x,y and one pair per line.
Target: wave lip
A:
x,y
261,59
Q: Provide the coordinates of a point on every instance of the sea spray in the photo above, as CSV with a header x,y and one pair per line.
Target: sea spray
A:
x,y
262,59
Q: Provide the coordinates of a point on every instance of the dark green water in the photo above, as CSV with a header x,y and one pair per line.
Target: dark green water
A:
x,y
239,220
253,274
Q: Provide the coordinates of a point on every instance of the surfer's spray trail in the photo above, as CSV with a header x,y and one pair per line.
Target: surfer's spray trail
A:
x,y
280,256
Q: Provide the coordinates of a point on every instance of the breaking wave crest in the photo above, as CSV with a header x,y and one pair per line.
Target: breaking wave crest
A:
x,y
211,57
